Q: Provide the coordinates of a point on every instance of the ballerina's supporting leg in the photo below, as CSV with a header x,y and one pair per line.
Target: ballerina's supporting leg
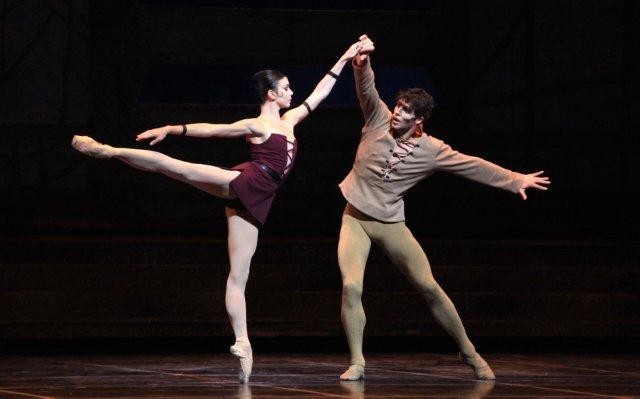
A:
x,y
243,229
243,239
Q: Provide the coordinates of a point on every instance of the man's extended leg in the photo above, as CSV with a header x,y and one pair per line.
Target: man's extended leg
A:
x,y
405,252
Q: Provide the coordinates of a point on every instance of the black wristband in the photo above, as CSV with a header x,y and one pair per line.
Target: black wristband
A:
x,y
333,75
307,105
184,130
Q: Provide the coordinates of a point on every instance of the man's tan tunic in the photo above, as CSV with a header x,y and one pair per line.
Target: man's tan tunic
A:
x,y
368,189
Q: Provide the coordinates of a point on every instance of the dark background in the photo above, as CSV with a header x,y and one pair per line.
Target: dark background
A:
x,y
530,85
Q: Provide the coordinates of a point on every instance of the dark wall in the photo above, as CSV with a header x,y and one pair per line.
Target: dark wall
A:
x,y
528,85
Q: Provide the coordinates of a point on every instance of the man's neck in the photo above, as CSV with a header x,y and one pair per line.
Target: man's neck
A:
x,y
404,135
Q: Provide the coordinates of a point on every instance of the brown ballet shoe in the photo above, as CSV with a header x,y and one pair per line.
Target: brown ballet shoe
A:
x,y
89,146
244,353
355,372
481,369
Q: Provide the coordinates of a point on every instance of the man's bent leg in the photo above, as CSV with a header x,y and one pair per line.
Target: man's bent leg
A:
x,y
353,250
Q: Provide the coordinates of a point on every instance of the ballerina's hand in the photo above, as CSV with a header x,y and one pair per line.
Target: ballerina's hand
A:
x,y
157,135
534,180
351,52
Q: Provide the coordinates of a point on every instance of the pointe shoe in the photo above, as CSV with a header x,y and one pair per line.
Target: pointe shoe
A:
x,y
481,369
355,372
89,146
245,355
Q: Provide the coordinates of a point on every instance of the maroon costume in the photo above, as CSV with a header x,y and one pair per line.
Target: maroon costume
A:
x,y
259,179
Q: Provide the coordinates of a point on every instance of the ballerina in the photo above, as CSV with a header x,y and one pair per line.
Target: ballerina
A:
x,y
250,188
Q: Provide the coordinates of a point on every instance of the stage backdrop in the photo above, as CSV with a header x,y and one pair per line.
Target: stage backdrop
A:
x,y
94,248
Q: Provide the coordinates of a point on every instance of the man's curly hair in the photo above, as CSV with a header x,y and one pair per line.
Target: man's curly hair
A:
x,y
419,100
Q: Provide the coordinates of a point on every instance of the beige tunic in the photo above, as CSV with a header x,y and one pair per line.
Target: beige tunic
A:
x,y
380,195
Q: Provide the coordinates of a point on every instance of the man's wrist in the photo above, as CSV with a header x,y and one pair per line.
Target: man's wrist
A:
x,y
359,61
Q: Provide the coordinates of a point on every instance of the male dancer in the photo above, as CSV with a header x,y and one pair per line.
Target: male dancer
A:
x,y
393,155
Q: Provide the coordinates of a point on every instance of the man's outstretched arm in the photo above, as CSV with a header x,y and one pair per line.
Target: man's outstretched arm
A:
x,y
534,180
483,171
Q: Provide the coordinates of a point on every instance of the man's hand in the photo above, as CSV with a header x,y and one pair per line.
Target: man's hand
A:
x,y
366,48
366,45
534,180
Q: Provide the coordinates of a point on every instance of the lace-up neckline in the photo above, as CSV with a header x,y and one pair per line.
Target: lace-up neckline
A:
x,y
403,148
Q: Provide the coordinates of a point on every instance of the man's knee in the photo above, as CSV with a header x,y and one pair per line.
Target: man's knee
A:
x,y
429,288
351,292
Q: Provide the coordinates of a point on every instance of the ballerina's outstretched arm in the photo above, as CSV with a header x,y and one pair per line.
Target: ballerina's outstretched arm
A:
x,y
244,127
322,89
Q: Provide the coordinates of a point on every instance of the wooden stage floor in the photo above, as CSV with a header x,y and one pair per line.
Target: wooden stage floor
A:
x,y
301,376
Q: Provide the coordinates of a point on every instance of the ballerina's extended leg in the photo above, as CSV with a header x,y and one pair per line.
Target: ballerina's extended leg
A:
x,y
208,178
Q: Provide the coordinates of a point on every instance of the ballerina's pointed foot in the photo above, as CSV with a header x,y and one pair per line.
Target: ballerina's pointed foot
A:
x,y
481,369
244,353
89,146
355,372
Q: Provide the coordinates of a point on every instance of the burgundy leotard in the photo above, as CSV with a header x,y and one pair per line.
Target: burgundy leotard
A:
x,y
254,187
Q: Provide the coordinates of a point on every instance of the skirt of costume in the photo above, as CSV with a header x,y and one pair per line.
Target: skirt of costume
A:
x,y
255,190
259,179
